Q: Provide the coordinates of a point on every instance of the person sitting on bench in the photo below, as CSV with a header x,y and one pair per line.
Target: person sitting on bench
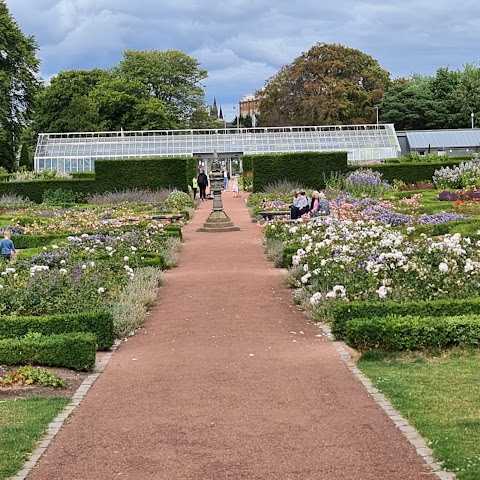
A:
x,y
299,206
319,205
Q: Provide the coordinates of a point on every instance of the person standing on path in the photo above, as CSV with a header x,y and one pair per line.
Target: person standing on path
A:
x,y
226,178
6,246
202,182
194,187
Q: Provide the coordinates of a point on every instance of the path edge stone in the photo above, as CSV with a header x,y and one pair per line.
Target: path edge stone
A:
x,y
402,424
56,424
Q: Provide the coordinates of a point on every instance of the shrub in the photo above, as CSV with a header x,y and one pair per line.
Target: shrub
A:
x,y
98,323
413,333
59,196
69,350
34,241
286,187
342,313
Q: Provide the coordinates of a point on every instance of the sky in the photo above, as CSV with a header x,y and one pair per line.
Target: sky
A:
x,y
241,43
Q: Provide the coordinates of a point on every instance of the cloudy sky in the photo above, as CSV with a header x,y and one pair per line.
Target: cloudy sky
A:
x,y
243,42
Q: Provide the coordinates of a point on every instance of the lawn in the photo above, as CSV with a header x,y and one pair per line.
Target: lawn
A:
x,y
22,423
439,395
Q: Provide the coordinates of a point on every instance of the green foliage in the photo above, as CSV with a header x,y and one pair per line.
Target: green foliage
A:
x,y
405,172
110,176
34,241
343,313
413,332
26,160
247,163
98,323
171,77
145,173
308,168
29,375
59,196
328,85
443,101
19,82
70,350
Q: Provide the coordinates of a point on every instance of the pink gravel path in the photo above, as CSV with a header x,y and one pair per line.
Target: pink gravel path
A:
x,y
221,383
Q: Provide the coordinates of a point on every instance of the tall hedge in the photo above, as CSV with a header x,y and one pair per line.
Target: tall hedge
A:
x,y
307,168
111,175
409,173
144,173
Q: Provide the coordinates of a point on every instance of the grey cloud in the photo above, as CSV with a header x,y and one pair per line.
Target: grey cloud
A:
x,y
243,42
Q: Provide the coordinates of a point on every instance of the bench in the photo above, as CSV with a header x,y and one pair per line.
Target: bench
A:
x,y
172,216
270,215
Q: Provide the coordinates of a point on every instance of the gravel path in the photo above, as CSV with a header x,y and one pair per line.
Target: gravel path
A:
x,y
227,380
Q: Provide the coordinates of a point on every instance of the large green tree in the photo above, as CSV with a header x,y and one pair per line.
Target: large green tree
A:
x,y
170,76
329,84
65,105
19,82
444,101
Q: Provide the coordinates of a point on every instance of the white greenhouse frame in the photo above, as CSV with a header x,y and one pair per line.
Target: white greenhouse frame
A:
x,y
77,152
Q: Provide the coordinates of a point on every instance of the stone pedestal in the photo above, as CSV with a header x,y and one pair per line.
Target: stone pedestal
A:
x,y
218,220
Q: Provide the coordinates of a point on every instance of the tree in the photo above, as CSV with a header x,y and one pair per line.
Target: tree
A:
x,y
66,106
19,67
25,158
329,84
411,105
126,103
171,76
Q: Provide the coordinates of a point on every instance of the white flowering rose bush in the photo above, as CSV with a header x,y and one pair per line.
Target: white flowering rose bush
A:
x,y
359,260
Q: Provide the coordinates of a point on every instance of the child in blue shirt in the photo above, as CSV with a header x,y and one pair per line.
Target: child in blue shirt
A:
x,y
6,246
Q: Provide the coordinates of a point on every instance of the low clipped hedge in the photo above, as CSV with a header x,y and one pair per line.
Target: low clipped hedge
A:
x,y
34,241
413,332
343,313
98,323
150,259
69,350
174,231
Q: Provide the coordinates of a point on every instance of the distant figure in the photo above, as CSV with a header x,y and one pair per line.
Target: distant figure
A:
x,y
226,178
202,182
299,206
319,205
235,190
194,187
6,246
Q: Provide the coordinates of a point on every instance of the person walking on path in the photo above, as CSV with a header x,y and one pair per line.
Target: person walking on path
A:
x,y
227,380
7,247
202,182
194,187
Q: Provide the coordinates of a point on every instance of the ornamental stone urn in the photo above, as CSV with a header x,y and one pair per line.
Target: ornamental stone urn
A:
x,y
218,220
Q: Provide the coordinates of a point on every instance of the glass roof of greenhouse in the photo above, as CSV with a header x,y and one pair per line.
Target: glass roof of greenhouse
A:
x,y
78,151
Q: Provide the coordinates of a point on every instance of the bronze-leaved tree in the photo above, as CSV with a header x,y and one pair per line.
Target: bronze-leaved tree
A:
x,y
329,85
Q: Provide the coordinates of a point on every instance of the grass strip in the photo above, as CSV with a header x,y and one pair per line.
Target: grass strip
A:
x,y
439,396
22,423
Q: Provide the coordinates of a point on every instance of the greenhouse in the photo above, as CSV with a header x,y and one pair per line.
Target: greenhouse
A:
x,y
77,152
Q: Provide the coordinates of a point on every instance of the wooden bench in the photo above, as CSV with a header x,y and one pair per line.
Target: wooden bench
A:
x,y
270,215
173,216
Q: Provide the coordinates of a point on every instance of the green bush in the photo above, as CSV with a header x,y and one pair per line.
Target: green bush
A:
x,y
174,231
69,350
409,173
98,323
59,196
150,259
308,168
343,313
413,333
34,241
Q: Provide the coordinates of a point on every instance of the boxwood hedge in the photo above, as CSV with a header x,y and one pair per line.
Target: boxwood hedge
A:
x,y
413,332
98,323
69,350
